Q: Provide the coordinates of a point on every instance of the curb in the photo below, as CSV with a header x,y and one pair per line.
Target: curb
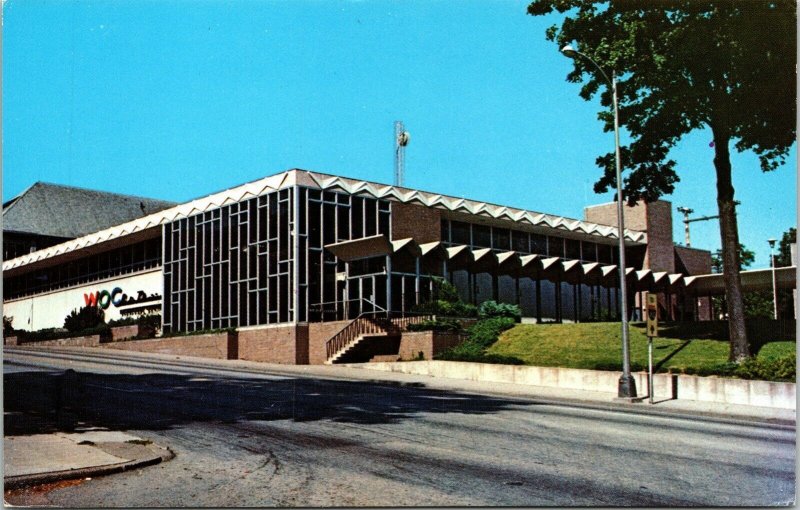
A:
x,y
21,481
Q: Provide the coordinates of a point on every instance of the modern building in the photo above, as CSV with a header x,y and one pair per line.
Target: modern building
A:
x,y
289,258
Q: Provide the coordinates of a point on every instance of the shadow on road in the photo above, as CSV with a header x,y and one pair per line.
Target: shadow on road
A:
x,y
41,402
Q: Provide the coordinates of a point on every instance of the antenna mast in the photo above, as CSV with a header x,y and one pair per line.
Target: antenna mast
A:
x,y
401,138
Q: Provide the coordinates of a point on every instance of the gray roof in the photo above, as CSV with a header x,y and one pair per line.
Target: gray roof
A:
x,y
66,211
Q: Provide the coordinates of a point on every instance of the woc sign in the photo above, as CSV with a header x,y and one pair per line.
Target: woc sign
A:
x,y
104,298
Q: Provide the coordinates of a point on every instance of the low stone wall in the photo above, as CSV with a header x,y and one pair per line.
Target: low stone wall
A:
x,y
214,345
131,331
11,340
426,343
76,341
666,386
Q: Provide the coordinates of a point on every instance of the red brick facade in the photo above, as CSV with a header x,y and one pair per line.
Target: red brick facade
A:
x,y
424,224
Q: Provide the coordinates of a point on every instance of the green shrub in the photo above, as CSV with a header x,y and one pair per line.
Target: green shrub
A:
x,y
199,332
783,368
444,308
56,333
435,325
85,318
481,335
153,320
8,328
485,332
495,309
445,291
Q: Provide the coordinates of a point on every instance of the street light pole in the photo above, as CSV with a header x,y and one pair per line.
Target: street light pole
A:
x,y
627,385
774,280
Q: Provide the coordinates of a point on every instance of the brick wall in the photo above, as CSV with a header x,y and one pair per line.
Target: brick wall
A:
x,y
429,343
606,214
318,334
274,344
77,341
216,345
695,261
420,222
655,218
659,255
131,331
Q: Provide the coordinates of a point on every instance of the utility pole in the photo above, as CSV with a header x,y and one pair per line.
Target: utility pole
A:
x,y
401,138
686,220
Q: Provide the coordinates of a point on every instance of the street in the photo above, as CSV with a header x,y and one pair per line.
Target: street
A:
x,y
243,438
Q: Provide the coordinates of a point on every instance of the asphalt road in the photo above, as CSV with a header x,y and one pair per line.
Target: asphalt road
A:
x,y
257,439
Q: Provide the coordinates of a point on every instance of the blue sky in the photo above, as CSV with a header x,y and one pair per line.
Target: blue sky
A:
x,y
177,99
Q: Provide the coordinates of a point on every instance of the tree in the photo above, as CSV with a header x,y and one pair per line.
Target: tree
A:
x,y
746,259
784,256
757,305
784,259
685,65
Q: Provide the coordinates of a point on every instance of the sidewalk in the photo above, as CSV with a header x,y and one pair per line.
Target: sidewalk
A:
x,y
43,458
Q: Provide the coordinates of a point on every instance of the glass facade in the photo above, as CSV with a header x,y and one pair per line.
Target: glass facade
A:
x,y
120,261
230,266
504,239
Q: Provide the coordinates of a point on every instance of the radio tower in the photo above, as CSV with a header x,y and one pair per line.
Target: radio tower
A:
x,y
401,138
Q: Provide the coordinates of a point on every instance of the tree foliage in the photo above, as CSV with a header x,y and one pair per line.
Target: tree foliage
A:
x,y
684,65
85,318
784,256
746,259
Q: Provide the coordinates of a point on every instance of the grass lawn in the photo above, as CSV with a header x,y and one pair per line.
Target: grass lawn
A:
x,y
682,347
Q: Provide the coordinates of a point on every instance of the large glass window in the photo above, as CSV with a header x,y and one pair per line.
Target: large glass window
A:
x,y
231,266
119,261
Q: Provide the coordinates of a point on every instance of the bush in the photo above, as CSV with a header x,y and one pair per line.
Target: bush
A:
x,y
435,325
153,320
85,318
56,333
482,335
495,309
768,369
8,328
444,308
445,291
485,332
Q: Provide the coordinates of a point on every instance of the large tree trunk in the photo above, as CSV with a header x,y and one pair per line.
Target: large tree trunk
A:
x,y
729,233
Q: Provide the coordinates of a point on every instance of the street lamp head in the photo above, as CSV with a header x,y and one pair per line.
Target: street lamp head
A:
x,y
772,242
569,51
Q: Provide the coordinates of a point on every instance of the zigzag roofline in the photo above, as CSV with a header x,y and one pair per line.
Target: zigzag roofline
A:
x,y
323,181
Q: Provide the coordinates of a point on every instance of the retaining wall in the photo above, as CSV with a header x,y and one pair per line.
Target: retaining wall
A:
x,y
215,345
666,386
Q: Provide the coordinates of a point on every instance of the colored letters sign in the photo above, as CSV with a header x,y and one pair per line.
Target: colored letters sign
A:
x,y
104,298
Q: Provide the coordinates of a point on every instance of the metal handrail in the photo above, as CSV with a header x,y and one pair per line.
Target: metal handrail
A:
x,y
365,325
